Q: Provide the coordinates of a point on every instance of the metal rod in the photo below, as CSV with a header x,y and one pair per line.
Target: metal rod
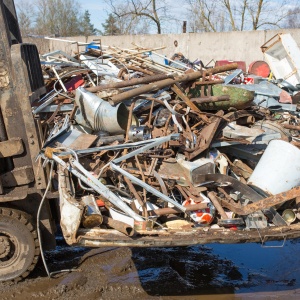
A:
x,y
188,102
94,183
60,81
131,82
170,210
210,99
155,142
217,205
166,82
149,188
293,127
136,195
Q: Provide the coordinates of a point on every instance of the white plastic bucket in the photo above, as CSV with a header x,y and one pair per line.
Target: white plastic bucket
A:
x,y
278,170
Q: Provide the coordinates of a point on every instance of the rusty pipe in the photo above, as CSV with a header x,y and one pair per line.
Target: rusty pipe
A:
x,y
131,82
217,205
118,225
138,69
188,102
110,153
136,195
292,127
247,120
210,99
166,82
264,203
209,82
174,210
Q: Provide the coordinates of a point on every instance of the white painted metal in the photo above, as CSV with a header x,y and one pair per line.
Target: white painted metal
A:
x,y
283,56
278,170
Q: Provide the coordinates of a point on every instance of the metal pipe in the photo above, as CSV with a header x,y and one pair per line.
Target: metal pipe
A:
x,y
131,82
144,180
98,114
170,210
293,127
166,82
136,196
138,69
92,182
118,225
155,142
209,82
188,102
129,122
149,188
217,205
248,120
210,99
118,147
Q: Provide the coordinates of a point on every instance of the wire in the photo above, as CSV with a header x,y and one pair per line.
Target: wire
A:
x,y
84,187
39,230
63,94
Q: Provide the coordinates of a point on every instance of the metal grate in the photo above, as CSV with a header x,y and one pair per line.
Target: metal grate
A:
x,y
31,58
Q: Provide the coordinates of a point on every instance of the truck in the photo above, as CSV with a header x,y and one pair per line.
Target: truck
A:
x,y
22,178
29,211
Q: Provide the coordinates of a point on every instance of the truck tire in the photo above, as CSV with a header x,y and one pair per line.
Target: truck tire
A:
x,y
19,246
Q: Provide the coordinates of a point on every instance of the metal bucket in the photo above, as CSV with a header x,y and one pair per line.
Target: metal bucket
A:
x,y
97,114
278,170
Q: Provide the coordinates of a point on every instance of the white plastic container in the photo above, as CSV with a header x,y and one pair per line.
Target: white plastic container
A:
x,y
278,170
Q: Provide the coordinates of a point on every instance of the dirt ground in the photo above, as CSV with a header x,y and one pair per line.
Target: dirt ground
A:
x,y
198,272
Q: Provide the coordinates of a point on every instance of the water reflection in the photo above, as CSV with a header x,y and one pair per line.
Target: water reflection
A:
x,y
218,269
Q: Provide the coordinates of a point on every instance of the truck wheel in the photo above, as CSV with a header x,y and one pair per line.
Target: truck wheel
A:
x,y
19,247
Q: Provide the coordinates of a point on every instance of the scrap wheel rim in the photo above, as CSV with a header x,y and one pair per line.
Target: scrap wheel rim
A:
x,y
9,250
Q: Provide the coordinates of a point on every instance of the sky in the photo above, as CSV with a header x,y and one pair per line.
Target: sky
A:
x,y
98,10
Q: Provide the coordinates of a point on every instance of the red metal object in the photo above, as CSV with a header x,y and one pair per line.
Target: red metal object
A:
x,y
241,64
259,68
74,83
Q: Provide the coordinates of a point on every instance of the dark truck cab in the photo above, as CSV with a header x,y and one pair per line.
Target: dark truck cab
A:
x,y
22,178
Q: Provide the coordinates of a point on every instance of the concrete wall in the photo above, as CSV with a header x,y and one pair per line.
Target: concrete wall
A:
x,y
244,46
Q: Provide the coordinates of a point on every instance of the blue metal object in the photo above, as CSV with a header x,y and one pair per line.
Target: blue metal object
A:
x,y
92,46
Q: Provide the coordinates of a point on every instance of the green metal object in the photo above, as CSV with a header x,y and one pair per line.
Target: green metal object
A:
x,y
239,97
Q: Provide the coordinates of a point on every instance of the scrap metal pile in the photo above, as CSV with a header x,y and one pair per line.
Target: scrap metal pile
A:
x,y
146,146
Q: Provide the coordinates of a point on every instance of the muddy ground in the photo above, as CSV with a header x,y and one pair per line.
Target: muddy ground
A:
x,y
245,271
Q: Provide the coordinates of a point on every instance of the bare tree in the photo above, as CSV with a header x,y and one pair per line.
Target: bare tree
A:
x,y
126,23
136,12
25,10
293,19
232,15
58,17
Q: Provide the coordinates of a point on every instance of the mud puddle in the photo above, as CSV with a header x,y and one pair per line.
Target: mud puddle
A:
x,y
244,271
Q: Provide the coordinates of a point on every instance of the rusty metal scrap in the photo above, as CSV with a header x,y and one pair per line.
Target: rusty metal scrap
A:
x,y
170,157
167,82
131,82
264,203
